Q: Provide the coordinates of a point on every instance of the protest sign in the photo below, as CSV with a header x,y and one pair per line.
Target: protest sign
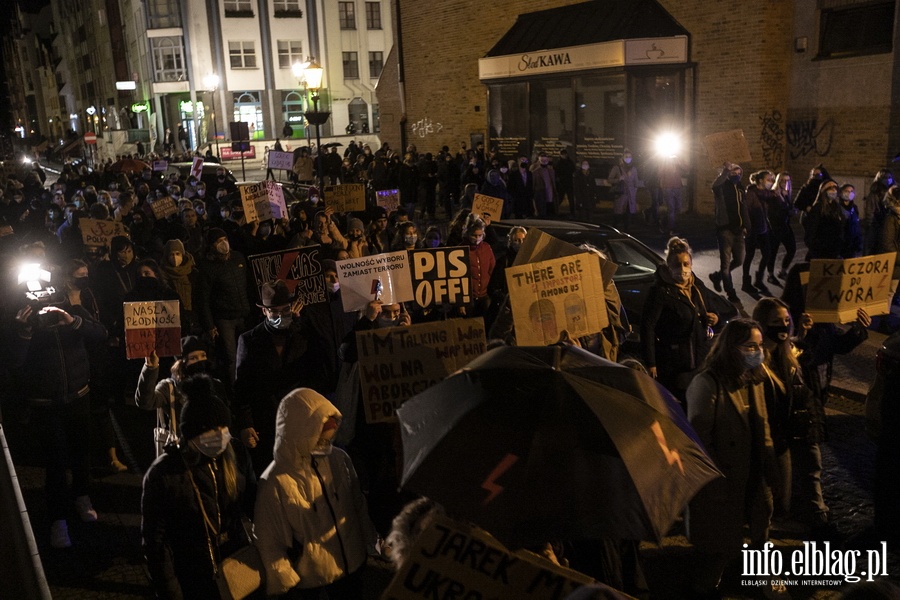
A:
x,y
487,206
382,277
388,199
540,246
98,233
152,326
280,160
163,207
550,296
346,198
396,363
440,276
197,167
837,288
160,165
300,268
262,201
727,146
467,562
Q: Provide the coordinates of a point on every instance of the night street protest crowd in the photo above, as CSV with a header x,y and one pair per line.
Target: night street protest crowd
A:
x,y
250,424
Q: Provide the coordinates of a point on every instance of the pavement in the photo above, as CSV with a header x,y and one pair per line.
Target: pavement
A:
x,y
106,561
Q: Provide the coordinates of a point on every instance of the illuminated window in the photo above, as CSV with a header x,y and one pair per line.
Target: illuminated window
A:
x,y
373,15
168,59
289,52
242,55
347,15
351,65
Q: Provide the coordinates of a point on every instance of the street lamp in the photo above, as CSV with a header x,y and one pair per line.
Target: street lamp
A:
x,y
312,73
211,82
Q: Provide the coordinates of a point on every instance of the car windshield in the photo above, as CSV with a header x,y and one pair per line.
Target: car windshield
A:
x,y
633,260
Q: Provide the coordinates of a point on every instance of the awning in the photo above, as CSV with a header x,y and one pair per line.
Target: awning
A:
x,y
589,35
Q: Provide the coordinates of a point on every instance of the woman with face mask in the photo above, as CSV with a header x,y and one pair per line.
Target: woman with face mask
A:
x,y
585,194
177,270
623,178
780,210
853,236
676,322
824,224
727,408
757,198
406,238
194,498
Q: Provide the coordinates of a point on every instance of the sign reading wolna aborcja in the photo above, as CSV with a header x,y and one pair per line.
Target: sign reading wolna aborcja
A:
x,y
440,276
837,288
396,363
466,562
152,326
559,294
382,277
300,268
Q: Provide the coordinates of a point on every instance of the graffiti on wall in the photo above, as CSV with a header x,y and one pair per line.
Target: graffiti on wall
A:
x,y
808,136
425,126
771,138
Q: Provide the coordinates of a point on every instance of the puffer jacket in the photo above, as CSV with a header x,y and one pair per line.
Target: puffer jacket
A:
x,y
309,500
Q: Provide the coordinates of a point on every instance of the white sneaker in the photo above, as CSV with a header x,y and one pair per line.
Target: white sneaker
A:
x,y
85,510
59,534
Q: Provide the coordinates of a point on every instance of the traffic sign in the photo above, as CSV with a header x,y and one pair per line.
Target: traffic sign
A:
x,y
90,138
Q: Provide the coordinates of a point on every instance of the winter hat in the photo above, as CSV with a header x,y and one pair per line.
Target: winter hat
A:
x,y
119,243
214,235
355,224
173,246
191,343
329,265
204,410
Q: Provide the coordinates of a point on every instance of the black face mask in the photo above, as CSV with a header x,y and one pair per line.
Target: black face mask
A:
x,y
778,333
201,366
79,283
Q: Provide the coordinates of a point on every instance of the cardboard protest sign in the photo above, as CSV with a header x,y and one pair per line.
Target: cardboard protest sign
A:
x,y
280,160
727,146
396,363
163,207
160,165
388,199
262,201
98,233
197,167
276,199
346,198
384,277
550,296
300,268
540,246
837,288
440,276
152,326
467,562
487,205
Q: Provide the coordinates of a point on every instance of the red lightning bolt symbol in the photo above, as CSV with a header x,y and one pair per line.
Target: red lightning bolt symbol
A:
x,y
672,456
489,483
287,261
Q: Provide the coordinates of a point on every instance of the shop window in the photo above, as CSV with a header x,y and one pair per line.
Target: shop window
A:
x,y
857,30
248,109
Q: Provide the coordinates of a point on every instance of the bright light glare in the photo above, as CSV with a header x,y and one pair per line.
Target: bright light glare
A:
x,y
668,144
32,273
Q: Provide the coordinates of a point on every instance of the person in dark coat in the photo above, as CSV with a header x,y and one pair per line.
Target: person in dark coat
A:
x,y
585,192
194,498
676,324
806,197
521,188
273,358
853,235
824,223
565,173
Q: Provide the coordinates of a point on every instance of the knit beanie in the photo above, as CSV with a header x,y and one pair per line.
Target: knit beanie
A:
x,y
173,246
214,235
191,343
203,411
355,224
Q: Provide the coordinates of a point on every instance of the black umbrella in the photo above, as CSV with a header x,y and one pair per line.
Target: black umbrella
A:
x,y
332,145
553,442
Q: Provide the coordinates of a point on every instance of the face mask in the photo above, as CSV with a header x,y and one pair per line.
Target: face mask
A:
x,y
778,333
515,245
545,162
223,247
201,193
386,322
79,283
627,160
523,164
410,240
832,194
334,287
221,179
176,260
735,179
769,185
195,368
432,242
212,443
281,322
313,199
752,361
848,196
265,231
681,274
503,169
585,166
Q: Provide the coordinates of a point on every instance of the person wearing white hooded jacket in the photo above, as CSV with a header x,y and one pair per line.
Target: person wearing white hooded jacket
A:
x,y
313,530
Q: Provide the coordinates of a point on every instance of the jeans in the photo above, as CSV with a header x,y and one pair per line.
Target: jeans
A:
x,y
808,504
753,242
731,255
672,197
782,237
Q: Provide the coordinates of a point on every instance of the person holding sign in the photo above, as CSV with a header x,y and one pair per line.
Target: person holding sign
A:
x,y
732,220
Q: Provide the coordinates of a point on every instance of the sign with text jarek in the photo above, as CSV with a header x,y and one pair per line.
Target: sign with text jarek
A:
x,y
262,201
396,363
550,296
487,205
440,276
388,199
837,288
98,233
152,326
466,562
299,268
280,160
382,277
345,198
163,207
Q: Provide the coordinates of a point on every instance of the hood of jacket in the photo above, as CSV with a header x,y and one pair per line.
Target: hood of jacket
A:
x,y
298,425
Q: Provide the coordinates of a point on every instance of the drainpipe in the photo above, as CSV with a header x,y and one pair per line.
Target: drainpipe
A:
x,y
401,79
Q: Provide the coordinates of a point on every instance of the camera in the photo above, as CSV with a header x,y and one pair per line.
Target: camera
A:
x,y
38,292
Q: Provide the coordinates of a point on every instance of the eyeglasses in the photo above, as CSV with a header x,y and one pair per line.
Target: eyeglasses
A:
x,y
750,348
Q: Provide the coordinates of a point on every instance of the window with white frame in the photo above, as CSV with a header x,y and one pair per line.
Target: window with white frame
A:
x,y
163,13
376,64
242,55
289,52
347,15
168,59
238,8
351,65
287,8
373,15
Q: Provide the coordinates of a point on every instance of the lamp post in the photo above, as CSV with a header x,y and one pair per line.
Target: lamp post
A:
x,y
211,82
312,74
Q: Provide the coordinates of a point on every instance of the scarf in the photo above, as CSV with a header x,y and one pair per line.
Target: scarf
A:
x,y
179,278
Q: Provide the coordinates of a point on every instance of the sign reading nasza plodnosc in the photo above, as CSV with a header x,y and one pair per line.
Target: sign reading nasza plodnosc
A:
x,y
150,326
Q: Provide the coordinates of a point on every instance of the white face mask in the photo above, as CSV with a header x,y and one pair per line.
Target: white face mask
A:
x,y
585,166
627,160
769,185
334,287
281,322
223,247
176,259
212,443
